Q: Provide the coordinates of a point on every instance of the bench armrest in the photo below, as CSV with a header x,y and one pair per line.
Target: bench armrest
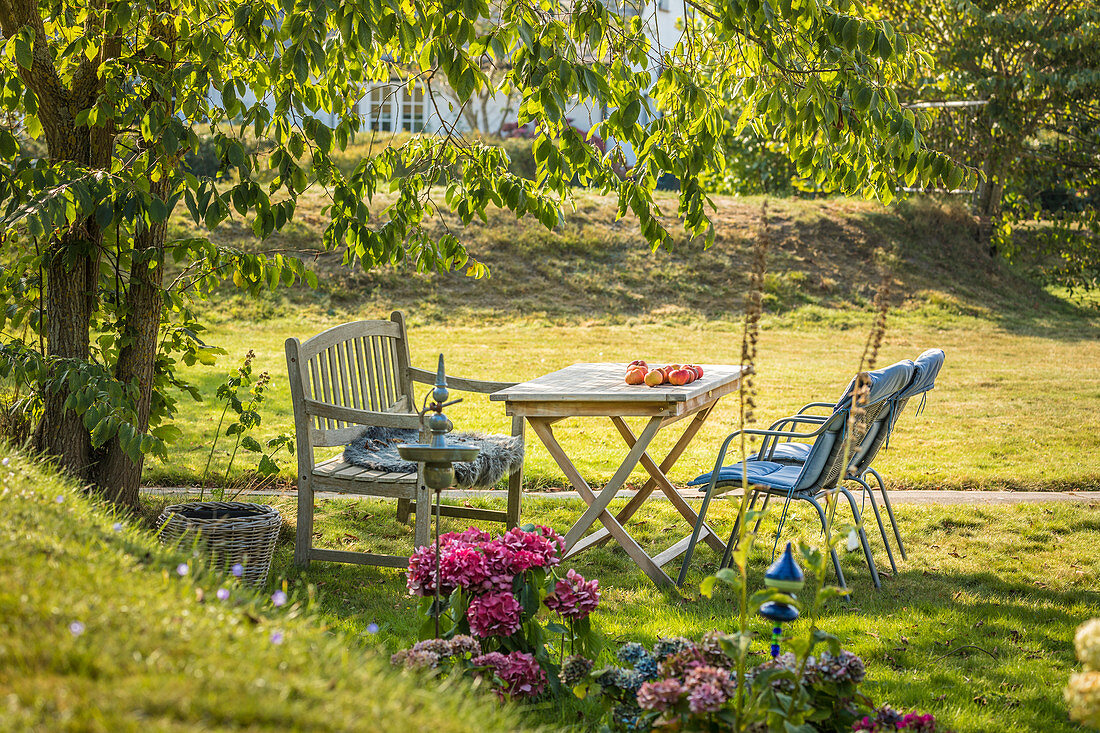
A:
x,y
361,417
480,386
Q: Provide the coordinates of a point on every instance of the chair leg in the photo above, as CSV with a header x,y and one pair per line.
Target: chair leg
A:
x,y
727,556
832,550
889,510
422,527
881,526
695,533
515,482
403,511
303,540
862,536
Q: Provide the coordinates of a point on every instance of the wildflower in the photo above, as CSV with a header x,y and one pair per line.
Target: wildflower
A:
x,y
494,614
278,598
237,570
1087,643
59,499
222,594
372,628
117,526
76,628
574,597
276,637
574,669
182,569
661,695
5,462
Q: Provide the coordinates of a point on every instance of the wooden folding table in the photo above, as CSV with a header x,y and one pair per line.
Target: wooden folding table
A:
x,y
599,390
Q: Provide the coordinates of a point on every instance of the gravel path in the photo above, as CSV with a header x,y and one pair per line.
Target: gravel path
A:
x,y
934,498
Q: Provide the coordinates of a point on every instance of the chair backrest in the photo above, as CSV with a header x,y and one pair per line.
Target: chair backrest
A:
x,y
823,466
925,369
362,365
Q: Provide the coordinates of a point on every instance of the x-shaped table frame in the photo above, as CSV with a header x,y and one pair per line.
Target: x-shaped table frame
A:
x,y
600,395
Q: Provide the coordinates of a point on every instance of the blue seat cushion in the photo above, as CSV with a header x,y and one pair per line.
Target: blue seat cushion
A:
x,y
763,473
788,453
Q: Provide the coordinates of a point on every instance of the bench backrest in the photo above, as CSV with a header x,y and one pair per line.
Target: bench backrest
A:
x,y
362,365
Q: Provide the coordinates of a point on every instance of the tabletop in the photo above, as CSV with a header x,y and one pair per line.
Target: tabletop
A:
x,y
604,384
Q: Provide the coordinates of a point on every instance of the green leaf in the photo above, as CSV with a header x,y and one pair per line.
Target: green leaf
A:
x,y
250,444
23,49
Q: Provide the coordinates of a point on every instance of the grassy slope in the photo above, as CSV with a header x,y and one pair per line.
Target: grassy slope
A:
x,y
1013,407
160,652
1013,580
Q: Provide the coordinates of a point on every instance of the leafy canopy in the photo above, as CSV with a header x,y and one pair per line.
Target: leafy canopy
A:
x,y
120,92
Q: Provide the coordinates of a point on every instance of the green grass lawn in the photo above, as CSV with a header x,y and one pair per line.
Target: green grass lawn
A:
x,y
1012,580
1010,410
100,632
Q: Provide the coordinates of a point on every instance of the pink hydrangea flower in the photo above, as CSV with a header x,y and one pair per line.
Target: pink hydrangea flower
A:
x,y
543,542
471,536
494,614
660,695
520,674
463,566
421,574
705,699
498,567
573,596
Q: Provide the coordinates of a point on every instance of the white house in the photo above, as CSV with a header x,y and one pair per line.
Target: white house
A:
x,y
392,108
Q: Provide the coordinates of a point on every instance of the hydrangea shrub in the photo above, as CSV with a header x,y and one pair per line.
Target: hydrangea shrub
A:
x,y
1083,690
686,685
492,590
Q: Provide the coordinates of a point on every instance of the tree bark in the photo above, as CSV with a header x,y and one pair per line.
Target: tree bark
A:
x,y
119,475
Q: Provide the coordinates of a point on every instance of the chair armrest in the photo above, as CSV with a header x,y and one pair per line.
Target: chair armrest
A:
x,y
361,417
480,386
813,405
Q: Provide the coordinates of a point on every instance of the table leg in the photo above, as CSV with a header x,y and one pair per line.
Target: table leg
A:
x,y
598,503
657,474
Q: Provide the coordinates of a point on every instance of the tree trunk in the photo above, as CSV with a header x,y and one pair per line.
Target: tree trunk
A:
x,y
61,432
118,475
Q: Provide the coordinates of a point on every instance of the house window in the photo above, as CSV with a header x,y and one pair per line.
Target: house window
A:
x,y
380,105
412,110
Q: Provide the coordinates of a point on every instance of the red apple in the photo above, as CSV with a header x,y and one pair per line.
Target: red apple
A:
x,y
655,378
637,362
679,376
636,375
698,371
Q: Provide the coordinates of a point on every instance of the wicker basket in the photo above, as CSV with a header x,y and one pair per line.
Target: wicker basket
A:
x,y
233,532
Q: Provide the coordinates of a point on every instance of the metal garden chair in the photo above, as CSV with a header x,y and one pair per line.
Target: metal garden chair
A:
x,y
925,369
820,472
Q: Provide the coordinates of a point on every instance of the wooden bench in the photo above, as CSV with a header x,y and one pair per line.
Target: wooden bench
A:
x,y
355,375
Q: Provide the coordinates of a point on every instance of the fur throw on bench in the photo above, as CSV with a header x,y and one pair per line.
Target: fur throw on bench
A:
x,y
376,448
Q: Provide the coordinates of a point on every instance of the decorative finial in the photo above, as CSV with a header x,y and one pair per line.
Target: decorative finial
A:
x,y
783,575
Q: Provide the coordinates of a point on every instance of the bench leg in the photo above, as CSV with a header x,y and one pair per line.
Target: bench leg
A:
x,y
303,541
515,482
403,511
422,527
